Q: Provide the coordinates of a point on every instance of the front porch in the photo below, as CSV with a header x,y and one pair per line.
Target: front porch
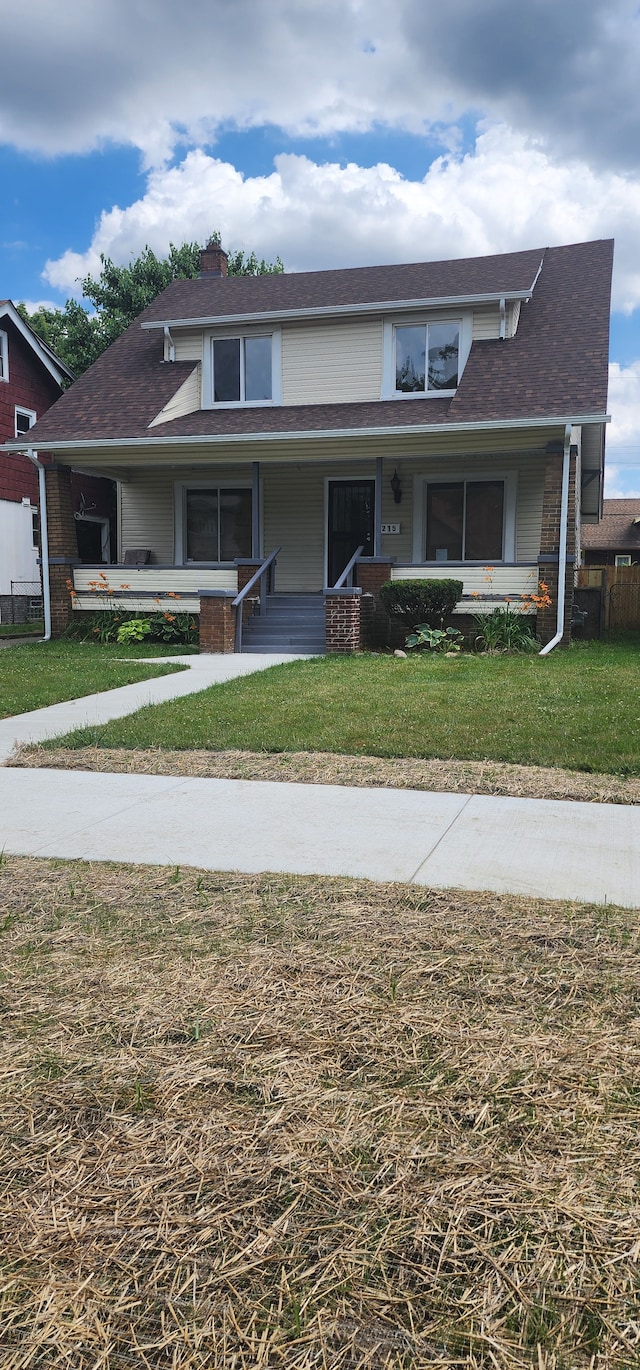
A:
x,y
489,519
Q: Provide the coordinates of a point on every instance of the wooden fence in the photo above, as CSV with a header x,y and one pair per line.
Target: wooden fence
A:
x,y
620,594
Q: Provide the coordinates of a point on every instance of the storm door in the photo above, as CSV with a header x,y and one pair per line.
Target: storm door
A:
x,y
351,515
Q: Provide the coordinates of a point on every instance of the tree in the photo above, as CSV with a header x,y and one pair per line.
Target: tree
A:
x,y
119,293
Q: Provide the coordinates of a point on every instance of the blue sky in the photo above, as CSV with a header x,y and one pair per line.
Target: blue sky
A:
x,y
329,132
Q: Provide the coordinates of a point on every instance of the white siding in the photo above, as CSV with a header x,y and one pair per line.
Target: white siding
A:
x,y
486,321
188,344
513,318
146,588
330,363
185,401
502,580
147,506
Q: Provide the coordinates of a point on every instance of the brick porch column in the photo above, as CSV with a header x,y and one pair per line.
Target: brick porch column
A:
x,y
372,572
217,621
550,544
63,545
247,568
342,619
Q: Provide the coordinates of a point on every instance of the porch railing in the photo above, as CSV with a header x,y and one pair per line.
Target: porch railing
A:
x,y
266,568
348,570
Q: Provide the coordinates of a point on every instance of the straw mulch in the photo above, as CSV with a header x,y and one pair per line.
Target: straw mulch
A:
x,y
273,1121
330,768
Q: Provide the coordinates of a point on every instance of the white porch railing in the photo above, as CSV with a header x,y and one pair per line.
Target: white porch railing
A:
x,y
149,588
484,587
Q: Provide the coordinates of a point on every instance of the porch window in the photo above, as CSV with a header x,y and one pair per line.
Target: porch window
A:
x,y
217,523
465,521
426,357
242,370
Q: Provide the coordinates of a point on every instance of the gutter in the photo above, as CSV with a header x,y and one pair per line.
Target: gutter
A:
x,y
562,548
44,543
297,434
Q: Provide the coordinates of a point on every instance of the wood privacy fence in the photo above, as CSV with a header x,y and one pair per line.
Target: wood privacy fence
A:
x,y
619,588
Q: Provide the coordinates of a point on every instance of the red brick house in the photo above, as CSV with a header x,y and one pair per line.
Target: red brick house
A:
x,y
435,418
32,378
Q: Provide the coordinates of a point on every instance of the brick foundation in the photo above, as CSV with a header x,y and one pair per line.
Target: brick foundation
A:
x,y
342,619
247,569
63,545
217,621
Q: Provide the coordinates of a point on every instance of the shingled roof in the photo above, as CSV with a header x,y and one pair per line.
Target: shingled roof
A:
x,y
555,366
618,530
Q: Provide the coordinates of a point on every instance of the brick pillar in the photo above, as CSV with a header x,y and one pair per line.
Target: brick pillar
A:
x,y
63,545
372,572
246,569
217,621
342,619
550,544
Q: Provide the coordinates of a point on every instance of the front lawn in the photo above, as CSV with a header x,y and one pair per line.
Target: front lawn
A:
x,y
34,675
282,1121
578,709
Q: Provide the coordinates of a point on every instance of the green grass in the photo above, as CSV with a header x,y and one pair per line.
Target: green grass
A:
x,y
34,629
36,674
578,709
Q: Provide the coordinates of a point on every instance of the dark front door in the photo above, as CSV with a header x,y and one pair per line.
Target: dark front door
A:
x,y
351,513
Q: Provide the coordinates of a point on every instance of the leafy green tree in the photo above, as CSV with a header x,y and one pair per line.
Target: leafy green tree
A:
x,y
119,293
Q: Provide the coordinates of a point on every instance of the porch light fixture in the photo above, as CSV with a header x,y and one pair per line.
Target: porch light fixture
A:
x,y
396,487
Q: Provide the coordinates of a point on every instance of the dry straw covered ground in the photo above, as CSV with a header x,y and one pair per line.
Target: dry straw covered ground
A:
x,y
332,768
273,1121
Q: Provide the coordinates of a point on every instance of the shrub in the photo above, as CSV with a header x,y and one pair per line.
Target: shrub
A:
x,y
426,602
134,630
435,639
504,631
107,625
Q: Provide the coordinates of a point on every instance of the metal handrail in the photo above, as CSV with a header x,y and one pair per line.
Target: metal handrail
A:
x,y
348,568
239,599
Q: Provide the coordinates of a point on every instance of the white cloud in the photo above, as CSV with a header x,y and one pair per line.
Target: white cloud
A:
x,y
623,435
507,194
150,73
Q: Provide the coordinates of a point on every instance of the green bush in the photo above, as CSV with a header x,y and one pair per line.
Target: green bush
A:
x,y
504,630
420,601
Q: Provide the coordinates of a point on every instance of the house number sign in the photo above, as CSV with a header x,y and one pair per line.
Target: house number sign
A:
x,y
390,528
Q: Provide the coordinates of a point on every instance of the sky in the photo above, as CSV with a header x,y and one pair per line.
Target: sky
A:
x,y
329,133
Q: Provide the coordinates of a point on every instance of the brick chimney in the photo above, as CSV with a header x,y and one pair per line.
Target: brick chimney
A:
x,y
213,260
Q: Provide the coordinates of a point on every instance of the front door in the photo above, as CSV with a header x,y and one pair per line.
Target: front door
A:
x,y
351,515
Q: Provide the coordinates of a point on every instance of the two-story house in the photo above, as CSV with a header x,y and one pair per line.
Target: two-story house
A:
x,y
439,416
32,378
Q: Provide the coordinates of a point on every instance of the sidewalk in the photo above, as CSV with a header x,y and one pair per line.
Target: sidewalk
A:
x,y
545,848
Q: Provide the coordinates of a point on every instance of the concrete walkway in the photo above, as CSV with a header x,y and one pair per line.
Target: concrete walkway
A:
x,y
545,848
92,710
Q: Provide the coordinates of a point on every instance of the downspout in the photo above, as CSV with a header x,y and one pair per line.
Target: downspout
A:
x,y
44,544
562,547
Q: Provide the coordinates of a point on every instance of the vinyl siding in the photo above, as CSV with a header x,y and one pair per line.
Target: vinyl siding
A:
x,y
486,322
188,344
147,506
185,401
329,363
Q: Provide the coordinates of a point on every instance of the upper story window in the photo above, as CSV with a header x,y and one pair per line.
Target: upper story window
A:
x,y
25,419
242,369
4,357
426,357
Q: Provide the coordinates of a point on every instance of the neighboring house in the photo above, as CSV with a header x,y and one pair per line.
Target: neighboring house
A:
x,y
439,415
615,541
32,378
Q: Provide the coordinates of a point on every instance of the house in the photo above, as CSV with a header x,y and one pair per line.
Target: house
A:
x,y
32,378
437,418
615,541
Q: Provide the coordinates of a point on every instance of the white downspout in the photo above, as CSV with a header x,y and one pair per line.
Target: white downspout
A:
x,y
44,544
562,548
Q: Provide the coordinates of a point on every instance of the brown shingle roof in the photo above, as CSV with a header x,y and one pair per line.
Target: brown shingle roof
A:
x,y
616,531
556,366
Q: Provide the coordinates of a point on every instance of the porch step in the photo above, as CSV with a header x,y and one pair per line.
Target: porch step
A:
x,y
292,623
